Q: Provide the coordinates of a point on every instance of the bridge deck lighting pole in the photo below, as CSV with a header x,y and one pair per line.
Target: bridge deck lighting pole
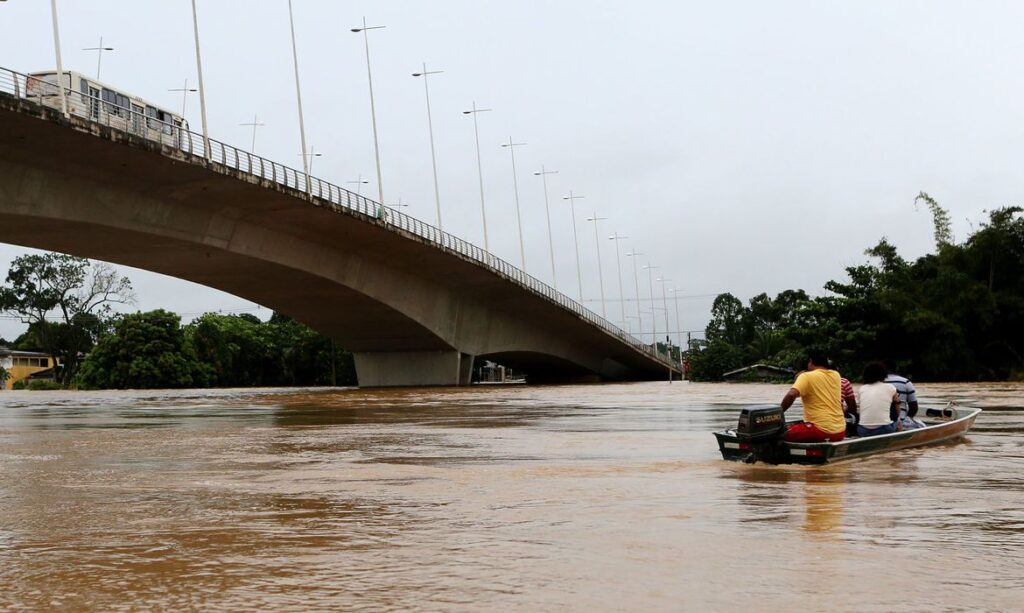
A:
x,y
511,146
60,64
668,349
202,90
185,91
600,273
679,328
298,96
618,265
255,123
654,313
99,51
373,111
572,198
636,283
547,211
307,158
664,304
359,183
479,170
430,126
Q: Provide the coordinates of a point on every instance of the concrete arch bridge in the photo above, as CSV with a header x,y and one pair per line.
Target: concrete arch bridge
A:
x,y
416,306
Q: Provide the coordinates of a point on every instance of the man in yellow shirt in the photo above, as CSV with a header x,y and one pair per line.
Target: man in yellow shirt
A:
x,y
820,390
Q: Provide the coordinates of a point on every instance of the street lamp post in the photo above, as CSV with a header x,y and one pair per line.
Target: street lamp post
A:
x,y
654,313
307,158
636,283
202,90
430,126
668,349
298,97
600,272
679,328
479,170
60,66
359,183
255,123
99,51
547,211
664,304
618,265
511,146
373,111
572,198
185,91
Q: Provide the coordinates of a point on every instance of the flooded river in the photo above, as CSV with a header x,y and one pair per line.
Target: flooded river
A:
x,y
600,497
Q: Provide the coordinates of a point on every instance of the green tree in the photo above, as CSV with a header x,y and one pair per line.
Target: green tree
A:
x,y
240,350
237,349
940,219
145,350
309,358
728,320
78,293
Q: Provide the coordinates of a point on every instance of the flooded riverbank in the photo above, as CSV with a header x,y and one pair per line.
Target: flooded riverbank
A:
x,y
510,497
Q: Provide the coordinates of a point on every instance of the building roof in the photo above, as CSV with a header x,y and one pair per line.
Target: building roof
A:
x,y
16,353
22,354
774,369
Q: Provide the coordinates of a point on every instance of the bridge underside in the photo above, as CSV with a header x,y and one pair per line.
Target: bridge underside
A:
x,y
412,314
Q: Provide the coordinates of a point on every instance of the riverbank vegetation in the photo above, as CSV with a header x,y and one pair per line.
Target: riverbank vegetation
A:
x,y
956,314
68,304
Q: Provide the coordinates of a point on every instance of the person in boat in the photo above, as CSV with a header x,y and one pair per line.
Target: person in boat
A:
x,y
878,402
849,399
908,397
820,390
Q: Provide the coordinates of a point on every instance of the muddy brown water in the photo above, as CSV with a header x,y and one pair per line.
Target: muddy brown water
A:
x,y
598,497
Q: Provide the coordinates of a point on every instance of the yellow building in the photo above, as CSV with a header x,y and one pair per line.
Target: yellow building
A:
x,y
21,364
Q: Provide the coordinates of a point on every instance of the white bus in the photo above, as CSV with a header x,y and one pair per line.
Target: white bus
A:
x,y
99,102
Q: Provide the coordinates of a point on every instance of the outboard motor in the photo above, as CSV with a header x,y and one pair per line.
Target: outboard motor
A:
x,y
760,422
758,431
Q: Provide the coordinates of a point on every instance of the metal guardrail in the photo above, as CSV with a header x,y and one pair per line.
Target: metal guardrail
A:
x,y
133,121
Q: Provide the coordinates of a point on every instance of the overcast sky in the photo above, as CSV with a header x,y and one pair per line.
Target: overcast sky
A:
x,y
741,146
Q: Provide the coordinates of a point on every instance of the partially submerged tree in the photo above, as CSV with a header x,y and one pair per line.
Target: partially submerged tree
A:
x,y
146,350
65,300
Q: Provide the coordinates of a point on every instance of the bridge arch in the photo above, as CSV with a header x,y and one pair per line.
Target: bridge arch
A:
x,y
412,313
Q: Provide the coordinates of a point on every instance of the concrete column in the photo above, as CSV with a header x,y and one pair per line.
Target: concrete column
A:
x,y
413,368
465,369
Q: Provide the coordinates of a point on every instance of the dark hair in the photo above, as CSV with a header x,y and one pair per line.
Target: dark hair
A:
x,y
818,358
875,372
890,365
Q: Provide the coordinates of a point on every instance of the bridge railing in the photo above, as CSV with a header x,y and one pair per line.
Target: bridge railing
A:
x,y
132,120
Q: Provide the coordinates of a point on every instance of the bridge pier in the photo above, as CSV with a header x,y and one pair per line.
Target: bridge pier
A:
x,y
413,368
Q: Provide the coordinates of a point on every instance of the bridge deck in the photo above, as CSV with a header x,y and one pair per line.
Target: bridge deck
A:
x,y
376,280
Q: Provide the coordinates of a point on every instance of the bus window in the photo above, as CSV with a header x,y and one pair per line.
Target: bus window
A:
x,y
168,120
115,103
152,118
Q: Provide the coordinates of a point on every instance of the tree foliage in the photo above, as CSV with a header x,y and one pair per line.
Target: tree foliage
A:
x,y
151,350
77,293
145,350
957,314
243,351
